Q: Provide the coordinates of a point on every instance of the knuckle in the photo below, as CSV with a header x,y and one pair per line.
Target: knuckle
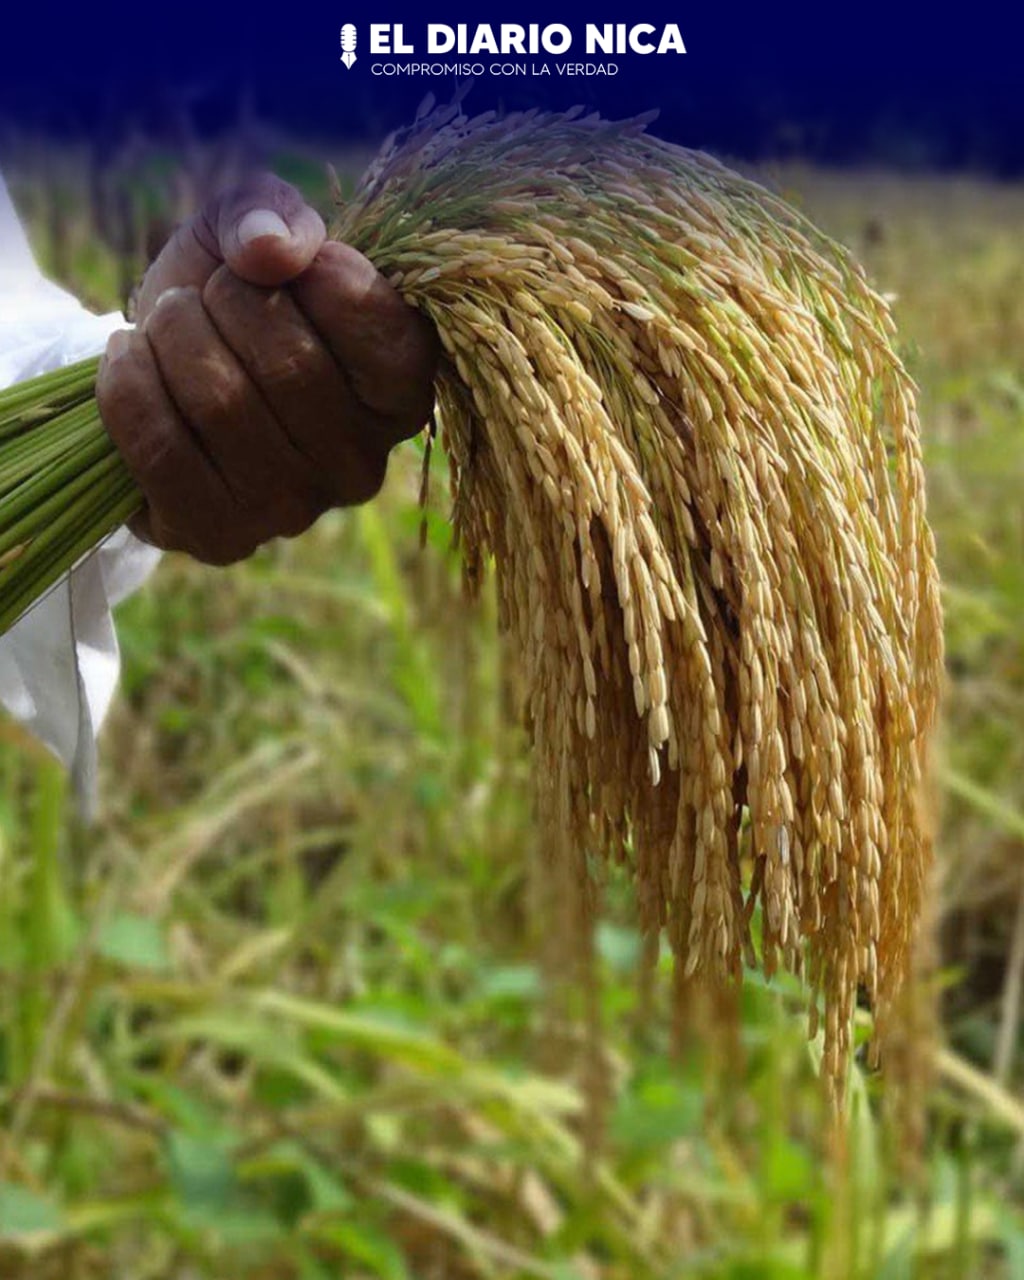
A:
x,y
169,306
411,366
255,323
148,455
128,398
298,361
202,229
221,291
120,388
223,393
152,527
416,334
265,185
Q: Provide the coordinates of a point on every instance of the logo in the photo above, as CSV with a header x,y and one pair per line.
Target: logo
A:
x,y
348,44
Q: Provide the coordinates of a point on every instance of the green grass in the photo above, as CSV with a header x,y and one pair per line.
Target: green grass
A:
x,y
281,1014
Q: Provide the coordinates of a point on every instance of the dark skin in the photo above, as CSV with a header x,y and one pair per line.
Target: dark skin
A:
x,y
269,376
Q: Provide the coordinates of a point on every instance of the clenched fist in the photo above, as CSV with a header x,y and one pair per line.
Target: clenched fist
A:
x,y
268,377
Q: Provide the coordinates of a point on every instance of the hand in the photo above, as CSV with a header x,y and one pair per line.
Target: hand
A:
x,y
269,375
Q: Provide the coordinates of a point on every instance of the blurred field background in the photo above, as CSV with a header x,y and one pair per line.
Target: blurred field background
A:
x,y
280,1014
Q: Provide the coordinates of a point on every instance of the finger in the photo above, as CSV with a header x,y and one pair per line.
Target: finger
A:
x,y
215,396
387,349
302,384
263,229
163,456
267,232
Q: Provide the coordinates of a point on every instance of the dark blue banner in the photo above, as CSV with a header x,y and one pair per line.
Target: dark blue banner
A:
x,y
844,83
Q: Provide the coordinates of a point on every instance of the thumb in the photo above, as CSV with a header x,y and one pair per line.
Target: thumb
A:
x,y
262,229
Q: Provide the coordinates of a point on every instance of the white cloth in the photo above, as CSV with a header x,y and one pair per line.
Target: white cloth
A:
x,y
59,664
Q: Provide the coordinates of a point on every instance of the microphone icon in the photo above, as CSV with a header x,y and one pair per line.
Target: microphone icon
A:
x,y
348,44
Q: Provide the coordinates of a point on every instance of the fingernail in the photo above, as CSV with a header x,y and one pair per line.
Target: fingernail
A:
x,y
260,224
168,294
117,346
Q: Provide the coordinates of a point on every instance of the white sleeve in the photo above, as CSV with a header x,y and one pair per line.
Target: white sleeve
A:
x,y
59,664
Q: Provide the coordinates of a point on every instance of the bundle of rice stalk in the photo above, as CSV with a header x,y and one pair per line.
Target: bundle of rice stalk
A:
x,y
678,427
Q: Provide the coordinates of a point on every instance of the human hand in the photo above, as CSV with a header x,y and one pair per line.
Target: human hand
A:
x,y
269,375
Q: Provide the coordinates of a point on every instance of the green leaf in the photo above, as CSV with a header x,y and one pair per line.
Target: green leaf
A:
x,y
323,1190
1011,1230
24,1213
511,982
658,1111
239,1227
763,1268
183,1109
368,1245
200,1169
788,1171
329,1193
276,1053
135,941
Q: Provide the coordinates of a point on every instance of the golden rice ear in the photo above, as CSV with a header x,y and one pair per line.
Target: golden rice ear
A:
x,y
678,424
